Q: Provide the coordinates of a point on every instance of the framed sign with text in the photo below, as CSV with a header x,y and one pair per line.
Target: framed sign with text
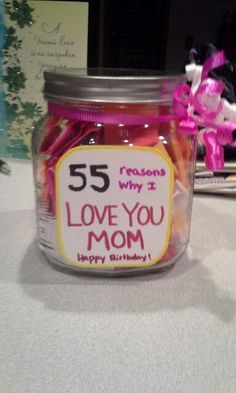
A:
x,y
37,35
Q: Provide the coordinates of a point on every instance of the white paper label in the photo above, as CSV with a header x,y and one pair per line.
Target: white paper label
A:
x,y
114,206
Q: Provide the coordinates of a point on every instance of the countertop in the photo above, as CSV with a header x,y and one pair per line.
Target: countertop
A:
x,y
60,332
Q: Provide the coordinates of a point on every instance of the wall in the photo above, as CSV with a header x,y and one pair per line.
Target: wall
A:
x,y
197,18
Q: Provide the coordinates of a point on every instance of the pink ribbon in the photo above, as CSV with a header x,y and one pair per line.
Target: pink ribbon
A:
x,y
216,60
199,109
208,89
181,100
107,117
214,158
187,127
183,97
202,108
225,133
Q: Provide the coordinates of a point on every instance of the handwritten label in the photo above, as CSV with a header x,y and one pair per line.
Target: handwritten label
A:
x,y
113,206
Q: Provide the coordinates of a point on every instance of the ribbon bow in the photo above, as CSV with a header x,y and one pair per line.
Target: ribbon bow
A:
x,y
201,105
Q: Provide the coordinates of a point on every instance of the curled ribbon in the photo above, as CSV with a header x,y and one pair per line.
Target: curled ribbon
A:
x,y
181,100
214,157
225,133
216,60
202,106
209,90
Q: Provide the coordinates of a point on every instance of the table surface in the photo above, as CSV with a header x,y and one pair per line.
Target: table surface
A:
x,y
67,333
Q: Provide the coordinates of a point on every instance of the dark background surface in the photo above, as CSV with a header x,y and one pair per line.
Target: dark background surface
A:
x,y
157,34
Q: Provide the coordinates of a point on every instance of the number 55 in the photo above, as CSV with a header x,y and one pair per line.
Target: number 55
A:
x,y
95,171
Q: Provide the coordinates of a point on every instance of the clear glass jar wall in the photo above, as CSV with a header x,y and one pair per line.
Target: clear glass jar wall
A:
x,y
113,176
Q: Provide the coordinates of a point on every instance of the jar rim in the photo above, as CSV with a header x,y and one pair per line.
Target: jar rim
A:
x,y
110,85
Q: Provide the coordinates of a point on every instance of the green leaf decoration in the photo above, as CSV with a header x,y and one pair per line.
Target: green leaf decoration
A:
x,y
15,79
21,12
20,116
30,109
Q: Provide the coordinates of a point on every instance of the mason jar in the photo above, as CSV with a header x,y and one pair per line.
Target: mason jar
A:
x,y
113,174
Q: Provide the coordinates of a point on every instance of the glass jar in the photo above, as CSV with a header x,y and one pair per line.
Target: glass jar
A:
x,y
113,176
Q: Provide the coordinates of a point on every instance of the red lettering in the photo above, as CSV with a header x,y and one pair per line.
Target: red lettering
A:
x,y
102,216
131,237
118,239
107,211
130,213
90,213
68,215
89,220
146,210
161,217
115,243
103,236
111,216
